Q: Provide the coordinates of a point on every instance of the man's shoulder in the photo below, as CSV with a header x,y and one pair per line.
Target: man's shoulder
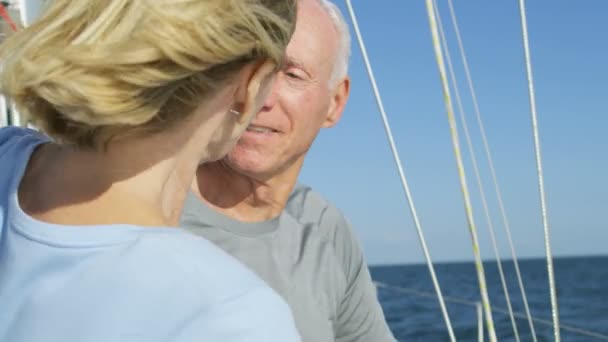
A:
x,y
308,207
359,313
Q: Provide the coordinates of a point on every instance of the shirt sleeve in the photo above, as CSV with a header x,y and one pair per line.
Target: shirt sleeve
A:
x,y
360,317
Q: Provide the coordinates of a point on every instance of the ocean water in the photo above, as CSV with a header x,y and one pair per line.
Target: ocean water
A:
x,y
412,310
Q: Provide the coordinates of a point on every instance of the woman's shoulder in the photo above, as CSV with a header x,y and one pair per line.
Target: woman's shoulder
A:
x,y
217,294
201,265
16,145
14,139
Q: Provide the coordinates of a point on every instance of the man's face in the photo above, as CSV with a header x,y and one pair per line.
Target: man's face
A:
x,y
301,102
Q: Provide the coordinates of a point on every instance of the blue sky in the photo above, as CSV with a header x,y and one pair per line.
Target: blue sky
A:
x,y
351,164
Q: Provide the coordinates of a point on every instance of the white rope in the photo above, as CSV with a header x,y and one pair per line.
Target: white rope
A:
x,y
404,182
477,174
3,112
14,115
479,321
539,169
565,327
492,170
467,202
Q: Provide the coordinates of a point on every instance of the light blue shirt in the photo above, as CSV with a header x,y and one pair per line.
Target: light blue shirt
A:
x,y
120,282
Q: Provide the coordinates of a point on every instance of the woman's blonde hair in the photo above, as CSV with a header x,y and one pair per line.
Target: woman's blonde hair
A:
x,y
90,70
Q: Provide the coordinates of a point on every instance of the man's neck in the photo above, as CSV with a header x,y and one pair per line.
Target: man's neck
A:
x,y
242,197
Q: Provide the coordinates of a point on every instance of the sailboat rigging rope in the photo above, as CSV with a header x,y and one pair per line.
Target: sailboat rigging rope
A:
x,y
401,172
476,172
7,17
467,202
455,300
491,167
479,321
539,169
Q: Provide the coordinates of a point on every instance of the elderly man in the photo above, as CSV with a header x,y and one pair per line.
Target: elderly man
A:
x,y
250,204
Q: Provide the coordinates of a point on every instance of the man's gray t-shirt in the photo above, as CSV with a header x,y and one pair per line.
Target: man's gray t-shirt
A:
x,y
310,256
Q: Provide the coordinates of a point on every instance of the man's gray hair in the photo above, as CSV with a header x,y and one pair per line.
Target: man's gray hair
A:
x,y
340,68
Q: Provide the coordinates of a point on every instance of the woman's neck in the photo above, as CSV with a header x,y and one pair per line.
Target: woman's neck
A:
x,y
138,181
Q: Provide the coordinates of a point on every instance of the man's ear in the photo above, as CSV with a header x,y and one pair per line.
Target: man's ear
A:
x,y
338,101
257,89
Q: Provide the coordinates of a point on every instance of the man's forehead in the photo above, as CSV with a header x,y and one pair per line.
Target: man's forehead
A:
x,y
292,60
312,16
314,36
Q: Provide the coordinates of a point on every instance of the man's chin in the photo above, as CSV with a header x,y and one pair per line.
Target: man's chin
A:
x,y
247,163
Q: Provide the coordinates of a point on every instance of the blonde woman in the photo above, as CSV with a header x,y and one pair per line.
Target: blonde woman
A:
x,y
133,95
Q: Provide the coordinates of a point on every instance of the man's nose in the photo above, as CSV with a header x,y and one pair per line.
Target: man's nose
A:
x,y
272,98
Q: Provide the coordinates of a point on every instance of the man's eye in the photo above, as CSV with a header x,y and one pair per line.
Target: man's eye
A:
x,y
293,75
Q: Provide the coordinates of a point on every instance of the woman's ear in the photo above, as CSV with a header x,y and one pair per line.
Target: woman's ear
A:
x,y
257,89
